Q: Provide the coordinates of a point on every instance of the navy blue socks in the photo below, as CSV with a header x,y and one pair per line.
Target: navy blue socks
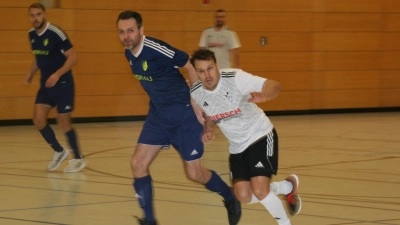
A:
x,y
50,137
71,135
216,184
144,193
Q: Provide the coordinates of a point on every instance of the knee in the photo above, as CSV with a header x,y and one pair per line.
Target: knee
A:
x,y
260,193
193,174
64,125
39,123
138,166
198,174
243,195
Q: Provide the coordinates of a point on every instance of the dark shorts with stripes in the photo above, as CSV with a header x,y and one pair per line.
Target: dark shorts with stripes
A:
x,y
259,159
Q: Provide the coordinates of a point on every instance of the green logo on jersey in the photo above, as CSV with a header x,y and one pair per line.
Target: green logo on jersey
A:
x,y
40,52
145,66
45,42
141,77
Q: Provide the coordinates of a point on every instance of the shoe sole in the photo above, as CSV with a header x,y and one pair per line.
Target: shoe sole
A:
x,y
299,200
62,159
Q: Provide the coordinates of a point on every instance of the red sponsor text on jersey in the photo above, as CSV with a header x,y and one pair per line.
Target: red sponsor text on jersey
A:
x,y
215,45
225,114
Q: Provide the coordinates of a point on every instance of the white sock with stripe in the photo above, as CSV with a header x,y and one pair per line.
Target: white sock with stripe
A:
x,y
275,207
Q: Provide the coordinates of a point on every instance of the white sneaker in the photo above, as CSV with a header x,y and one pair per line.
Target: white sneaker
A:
x,y
75,165
58,157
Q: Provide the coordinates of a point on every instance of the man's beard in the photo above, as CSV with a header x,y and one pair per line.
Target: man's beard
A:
x,y
40,25
220,24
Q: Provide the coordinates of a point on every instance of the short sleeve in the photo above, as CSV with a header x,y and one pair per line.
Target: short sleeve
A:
x,y
202,43
166,54
248,83
234,41
66,45
61,38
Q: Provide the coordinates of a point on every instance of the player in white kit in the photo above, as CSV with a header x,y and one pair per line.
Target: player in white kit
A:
x,y
223,41
228,98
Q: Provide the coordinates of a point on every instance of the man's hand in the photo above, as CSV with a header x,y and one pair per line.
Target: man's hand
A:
x,y
28,79
257,97
207,137
52,80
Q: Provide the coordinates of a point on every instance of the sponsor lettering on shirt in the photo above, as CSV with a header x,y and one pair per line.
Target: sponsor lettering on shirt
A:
x,y
141,77
215,45
224,115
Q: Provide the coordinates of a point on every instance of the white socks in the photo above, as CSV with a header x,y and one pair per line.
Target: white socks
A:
x,y
281,188
275,207
278,188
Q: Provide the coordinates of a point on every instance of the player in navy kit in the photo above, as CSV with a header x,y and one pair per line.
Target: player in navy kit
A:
x,y
54,56
171,119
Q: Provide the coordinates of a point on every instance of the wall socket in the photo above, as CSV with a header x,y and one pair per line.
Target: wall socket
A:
x,y
263,41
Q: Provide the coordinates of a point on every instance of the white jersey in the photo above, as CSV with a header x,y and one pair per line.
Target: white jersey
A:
x,y
242,122
220,42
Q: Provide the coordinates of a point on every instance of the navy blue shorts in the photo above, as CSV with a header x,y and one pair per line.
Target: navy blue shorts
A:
x,y
61,95
184,135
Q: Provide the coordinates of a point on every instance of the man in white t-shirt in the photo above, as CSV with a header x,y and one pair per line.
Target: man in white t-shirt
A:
x,y
228,98
222,41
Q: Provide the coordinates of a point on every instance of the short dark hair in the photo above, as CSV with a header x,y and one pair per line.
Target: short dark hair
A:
x,y
37,6
128,14
202,55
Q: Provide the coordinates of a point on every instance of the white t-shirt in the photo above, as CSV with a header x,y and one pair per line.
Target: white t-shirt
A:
x,y
220,43
242,122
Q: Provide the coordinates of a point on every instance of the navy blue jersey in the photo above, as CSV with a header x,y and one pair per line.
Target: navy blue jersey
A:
x,y
48,48
156,67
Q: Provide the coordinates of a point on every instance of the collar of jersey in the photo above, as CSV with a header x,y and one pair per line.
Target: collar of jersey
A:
x,y
140,49
223,28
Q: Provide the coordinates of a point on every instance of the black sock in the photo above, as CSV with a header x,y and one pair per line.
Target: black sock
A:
x,y
50,137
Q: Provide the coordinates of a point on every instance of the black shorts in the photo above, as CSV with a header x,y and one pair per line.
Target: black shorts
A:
x,y
61,95
259,159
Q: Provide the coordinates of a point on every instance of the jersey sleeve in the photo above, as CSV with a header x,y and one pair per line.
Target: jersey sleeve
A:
x,y
248,83
62,39
168,55
202,43
234,41
30,38
66,45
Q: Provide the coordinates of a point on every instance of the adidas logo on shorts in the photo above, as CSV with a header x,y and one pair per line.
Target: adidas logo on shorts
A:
x,y
205,104
259,165
194,152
